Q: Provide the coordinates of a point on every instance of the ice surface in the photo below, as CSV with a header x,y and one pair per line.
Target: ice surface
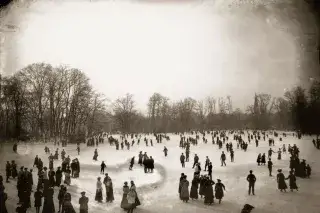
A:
x,y
158,192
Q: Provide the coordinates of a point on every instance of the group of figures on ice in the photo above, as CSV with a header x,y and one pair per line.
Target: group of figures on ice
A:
x,y
202,184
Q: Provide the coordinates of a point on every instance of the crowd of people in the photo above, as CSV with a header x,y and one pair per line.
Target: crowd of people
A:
x,y
202,185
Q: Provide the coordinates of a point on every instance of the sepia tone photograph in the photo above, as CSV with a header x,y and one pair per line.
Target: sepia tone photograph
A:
x,y
159,106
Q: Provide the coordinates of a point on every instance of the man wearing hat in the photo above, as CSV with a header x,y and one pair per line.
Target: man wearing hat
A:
x,y
83,201
251,178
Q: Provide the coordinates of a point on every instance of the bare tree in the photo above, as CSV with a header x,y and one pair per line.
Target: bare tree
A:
x,y
124,111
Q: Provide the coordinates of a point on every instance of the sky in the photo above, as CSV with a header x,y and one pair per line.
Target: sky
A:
x,y
192,49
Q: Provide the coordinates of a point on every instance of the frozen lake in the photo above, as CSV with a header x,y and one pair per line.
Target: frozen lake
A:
x,y
158,192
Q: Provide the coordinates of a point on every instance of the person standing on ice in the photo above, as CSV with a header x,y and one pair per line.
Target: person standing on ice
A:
x,y
270,151
194,187
103,166
165,150
38,200
282,186
109,191
140,158
232,155
259,159
270,164
36,161
61,194
292,181
83,201
195,160
263,159
95,155
48,205
210,170
223,159
251,178
131,163
180,181
206,163
279,154
8,171
124,202
99,196
182,160
78,149
219,188
308,171
184,194
208,191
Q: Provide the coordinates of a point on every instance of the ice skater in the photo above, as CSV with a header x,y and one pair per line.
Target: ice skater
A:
x,y
251,178
103,166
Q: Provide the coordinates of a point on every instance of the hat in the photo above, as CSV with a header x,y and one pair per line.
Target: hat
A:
x,y
83,193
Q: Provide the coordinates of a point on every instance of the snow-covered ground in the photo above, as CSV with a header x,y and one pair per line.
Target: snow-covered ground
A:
x,y
158,192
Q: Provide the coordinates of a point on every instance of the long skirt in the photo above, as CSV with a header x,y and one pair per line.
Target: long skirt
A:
x,y
48,206
110,196
194,192
98,196
282,185
201,190
293,185
219,194
208,197
124,202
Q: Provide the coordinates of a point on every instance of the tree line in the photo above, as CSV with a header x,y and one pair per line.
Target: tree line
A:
x,y
43,101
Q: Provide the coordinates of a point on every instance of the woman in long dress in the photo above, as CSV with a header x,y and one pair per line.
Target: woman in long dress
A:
x,y
95,155
185,189
124,201
279,154
219,188
109,189
131,197
179,190
98,196
292,181
194,187
263,159
209,197
201,190
259,159
281,181
38,200
137,201
67,206
48,205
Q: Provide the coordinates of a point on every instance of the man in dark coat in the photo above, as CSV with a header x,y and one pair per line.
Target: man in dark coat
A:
x,y
83,201
103,166
251,178
58,176
195,160
131,163
182,160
